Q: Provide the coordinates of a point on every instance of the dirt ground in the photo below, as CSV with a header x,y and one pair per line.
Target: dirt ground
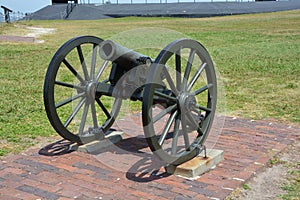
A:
x,y
32,35
267,185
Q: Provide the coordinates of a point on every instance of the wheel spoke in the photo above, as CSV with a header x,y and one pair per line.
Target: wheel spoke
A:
x,y
165,96
194,123
93,64
101,70
170,81
103,108
203,108
94,114
178,70
195,109
196,76
185,132
202,89
200,132
208,119
69,85
167,128
175,135
164,112
82,61
64,102
75,111
71,68
83,119
188,69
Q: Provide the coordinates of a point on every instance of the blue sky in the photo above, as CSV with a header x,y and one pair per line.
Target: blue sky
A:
x,y
25,6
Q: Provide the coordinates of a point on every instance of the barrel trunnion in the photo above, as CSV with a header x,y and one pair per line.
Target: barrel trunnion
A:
x,y
88,78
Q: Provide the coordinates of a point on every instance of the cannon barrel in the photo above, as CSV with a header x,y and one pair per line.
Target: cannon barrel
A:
x,y
122,56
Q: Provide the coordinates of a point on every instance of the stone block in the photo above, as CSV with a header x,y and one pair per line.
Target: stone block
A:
x,y
198,165
98,145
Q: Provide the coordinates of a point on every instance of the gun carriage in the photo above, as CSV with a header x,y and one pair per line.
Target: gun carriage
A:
x,y
88,78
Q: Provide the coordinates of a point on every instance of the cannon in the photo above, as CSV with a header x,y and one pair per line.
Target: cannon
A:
x,y
88,78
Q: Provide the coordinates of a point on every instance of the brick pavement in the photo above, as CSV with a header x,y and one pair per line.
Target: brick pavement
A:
x,y
127,170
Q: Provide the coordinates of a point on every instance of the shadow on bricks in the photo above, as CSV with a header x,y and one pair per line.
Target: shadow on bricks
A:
x,y
129,170
145,166
132,156
60,147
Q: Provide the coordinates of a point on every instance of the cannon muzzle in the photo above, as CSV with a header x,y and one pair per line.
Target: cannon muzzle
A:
x,y
121,55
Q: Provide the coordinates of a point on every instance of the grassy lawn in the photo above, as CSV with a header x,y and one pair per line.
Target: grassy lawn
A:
x,y
257,57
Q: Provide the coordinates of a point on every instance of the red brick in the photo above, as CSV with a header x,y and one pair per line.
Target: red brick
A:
x,y
223,172
6,197
245,175
47,187
93,186
64,166
263,160
144,195
173,183
12,170
210,181
231,183
202,197
48,178
17,194
244,143
72,158
65,198
110,184
69,192
11,180
90,193
221,194
186,192
253,168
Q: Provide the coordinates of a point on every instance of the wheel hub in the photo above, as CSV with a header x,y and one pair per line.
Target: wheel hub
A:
x,y
91,90
185,101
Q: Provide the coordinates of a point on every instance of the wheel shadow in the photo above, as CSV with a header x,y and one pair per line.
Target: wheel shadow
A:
x,y
149,167
57,148
146,170
141,165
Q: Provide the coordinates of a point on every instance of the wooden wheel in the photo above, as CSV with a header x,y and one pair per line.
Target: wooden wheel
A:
x,y
179,101
72,106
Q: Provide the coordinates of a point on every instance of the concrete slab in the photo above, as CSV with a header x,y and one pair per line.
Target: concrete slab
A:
x,y
198,165
98,145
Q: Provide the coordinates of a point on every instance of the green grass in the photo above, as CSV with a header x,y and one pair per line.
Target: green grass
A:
x,y
257,57
246,186
292,187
